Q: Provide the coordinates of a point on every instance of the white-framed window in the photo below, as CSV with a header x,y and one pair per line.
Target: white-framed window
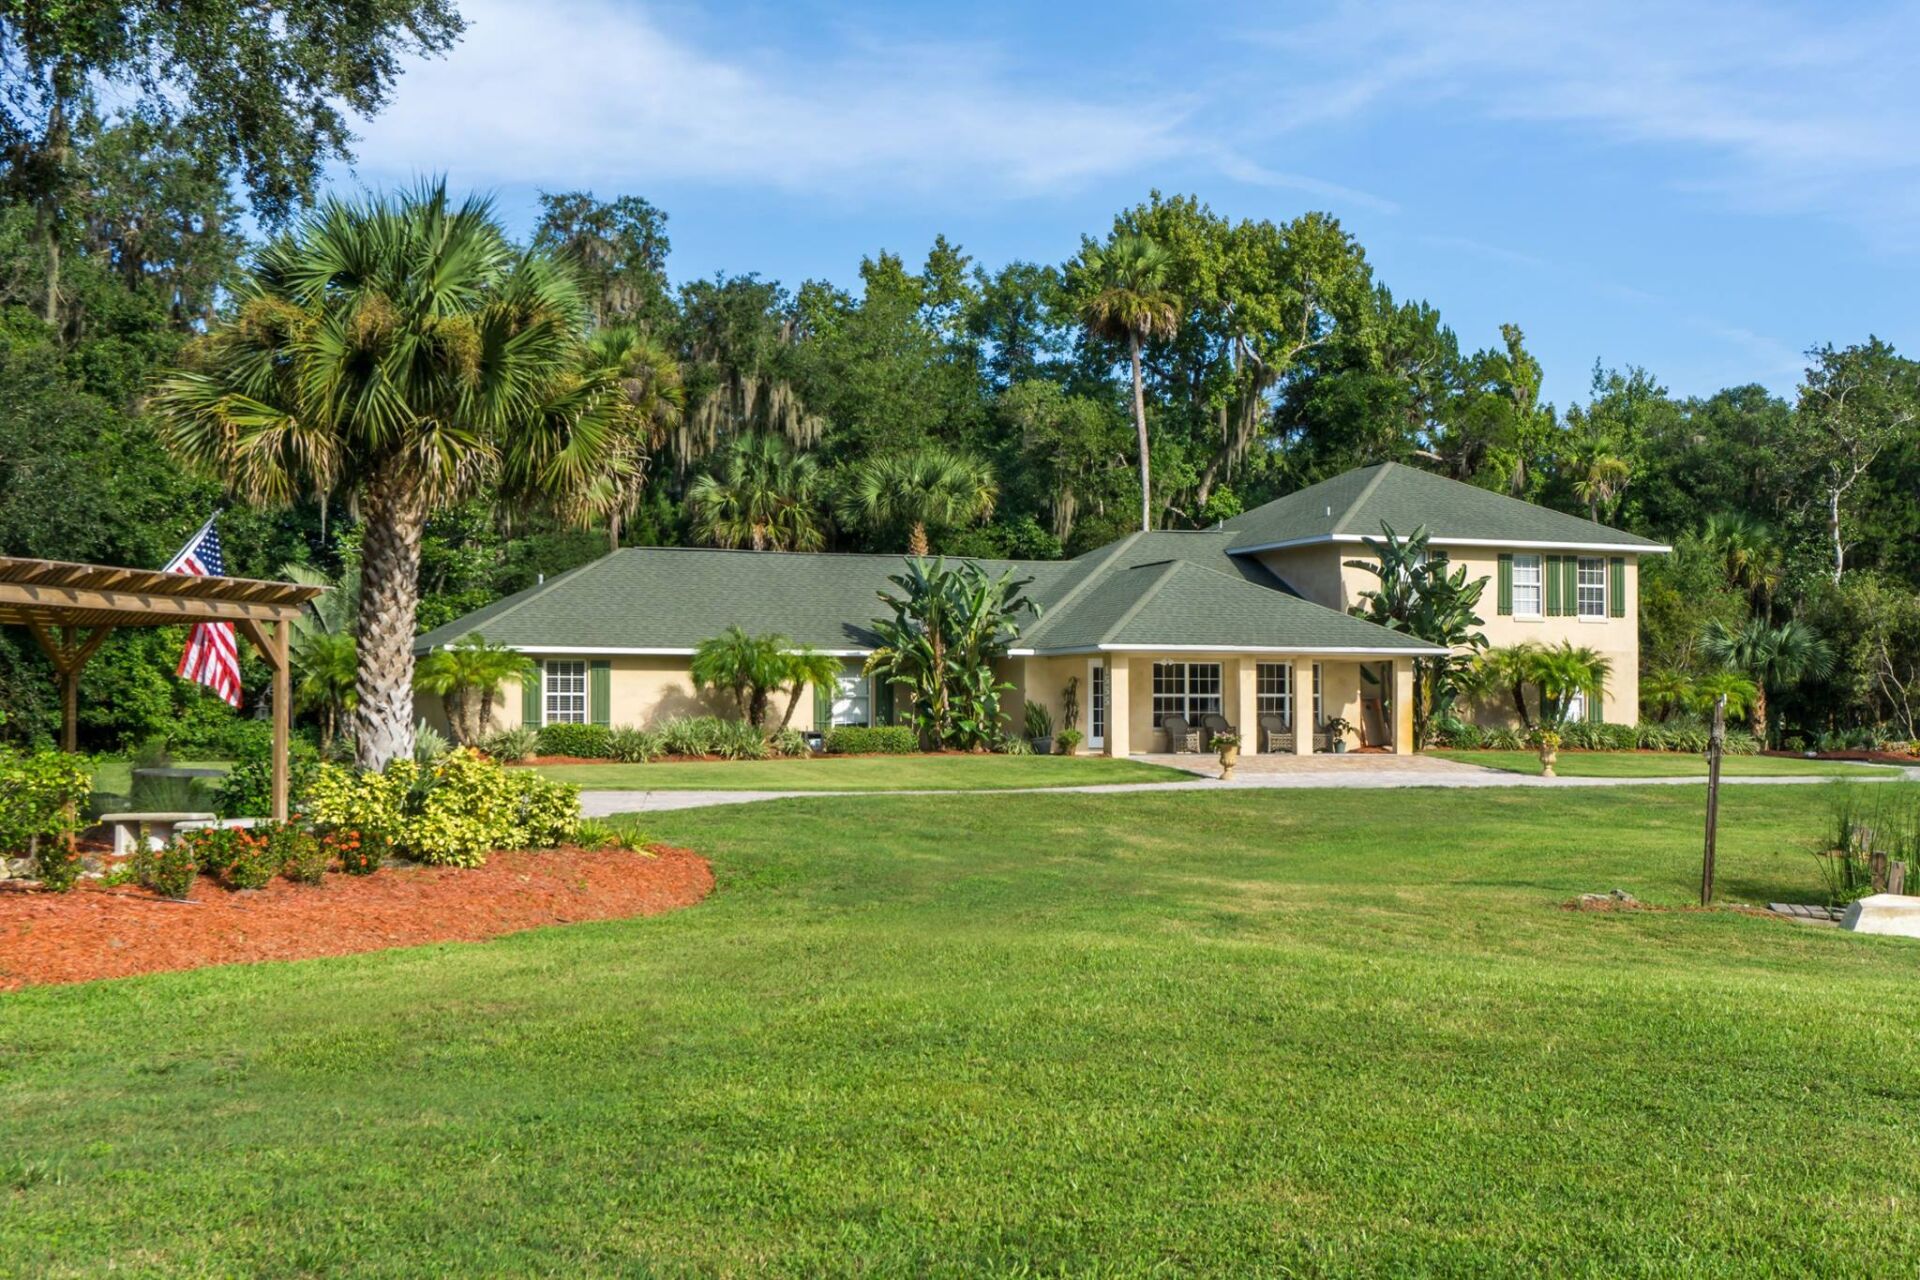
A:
x,y
1528,589
1576,707
1319,697
1187,689
1592,587
1097,704
853,694
1273,684
565,692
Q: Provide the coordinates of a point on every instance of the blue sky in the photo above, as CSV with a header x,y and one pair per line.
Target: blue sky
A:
x,y
1705,193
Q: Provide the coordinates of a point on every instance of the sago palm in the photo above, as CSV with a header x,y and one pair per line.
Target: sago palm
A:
x,y
1773,657
762,495
930,486
401,352
1124,297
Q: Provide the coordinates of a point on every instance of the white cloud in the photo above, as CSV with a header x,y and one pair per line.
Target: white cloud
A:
x,y
590,90
1771,110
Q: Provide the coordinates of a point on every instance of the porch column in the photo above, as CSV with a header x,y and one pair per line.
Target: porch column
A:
x,y
1303,725
1119,706
1403,706
1247,720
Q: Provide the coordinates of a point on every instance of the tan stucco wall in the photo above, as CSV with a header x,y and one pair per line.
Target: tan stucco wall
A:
x,y
642,691
1320,574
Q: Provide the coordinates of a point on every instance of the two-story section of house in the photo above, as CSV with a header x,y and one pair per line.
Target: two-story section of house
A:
x,y
1552,577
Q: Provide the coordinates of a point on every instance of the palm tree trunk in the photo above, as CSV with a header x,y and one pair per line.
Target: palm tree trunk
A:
x,y
793,704
917,539
395,513
1140,428
486,713
1520,705
1759,716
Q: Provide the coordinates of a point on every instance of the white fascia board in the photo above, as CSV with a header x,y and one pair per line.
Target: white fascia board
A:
x,y
1421,651
1318,539
619,651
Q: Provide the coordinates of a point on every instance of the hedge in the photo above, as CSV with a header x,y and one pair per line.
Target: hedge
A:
x,y
888,740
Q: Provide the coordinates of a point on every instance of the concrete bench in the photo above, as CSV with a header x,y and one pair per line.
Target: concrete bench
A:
x,y
204,824
160,827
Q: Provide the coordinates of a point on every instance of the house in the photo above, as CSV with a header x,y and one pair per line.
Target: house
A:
x,y
1246,620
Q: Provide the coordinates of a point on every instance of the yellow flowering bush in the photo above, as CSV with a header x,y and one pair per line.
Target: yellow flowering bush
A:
x,y
453,812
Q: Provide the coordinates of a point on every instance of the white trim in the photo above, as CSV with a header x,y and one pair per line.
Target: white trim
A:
x,y
1102,692
1410,651
602,651
1617,548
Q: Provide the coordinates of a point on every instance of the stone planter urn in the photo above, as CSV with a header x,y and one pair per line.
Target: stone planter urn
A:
x,y
1548,758
1229,757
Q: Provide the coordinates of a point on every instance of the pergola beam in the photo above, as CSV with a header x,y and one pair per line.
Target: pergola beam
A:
x,y
136,608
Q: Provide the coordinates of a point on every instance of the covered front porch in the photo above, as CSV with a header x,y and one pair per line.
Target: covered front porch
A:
x,y
1278,702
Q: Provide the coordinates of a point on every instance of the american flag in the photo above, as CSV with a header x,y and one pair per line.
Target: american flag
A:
x,y
212,657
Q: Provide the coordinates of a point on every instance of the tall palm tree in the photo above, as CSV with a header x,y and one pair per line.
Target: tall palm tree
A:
x,y
1124,297
647,404
1773,657
466,677
928,486
763,496
1751,555
1599,478
400,352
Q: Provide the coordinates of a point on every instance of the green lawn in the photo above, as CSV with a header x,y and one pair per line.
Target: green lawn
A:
x,y
864,773
1243,1033
1660,764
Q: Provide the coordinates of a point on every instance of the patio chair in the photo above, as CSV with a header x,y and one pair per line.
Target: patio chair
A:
x,y
1210,724
1181,736
1276,735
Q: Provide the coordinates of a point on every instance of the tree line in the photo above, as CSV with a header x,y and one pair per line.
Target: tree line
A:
x,y
1171,369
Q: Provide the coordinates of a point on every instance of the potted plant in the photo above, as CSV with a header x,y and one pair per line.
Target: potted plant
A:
x,y
1040,729
1337,730
1229,748
1548,742
1070,740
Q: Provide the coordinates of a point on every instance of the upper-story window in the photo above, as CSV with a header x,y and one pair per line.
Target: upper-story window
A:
x,y
1528,588
1592,587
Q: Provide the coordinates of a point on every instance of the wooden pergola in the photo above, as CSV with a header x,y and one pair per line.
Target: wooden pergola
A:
x,y
72,608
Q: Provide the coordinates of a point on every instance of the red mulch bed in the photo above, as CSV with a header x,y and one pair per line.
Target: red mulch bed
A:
x,y
96,932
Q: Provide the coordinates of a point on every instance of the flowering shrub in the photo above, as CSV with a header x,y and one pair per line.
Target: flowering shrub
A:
x,y
239,858
169,870
450,813
359,855
300,855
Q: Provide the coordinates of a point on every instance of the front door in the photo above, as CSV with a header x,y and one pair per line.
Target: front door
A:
x,y
1097,704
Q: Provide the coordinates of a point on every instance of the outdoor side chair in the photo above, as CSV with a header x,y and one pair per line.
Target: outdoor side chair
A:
x,y
1181,736
1276,735
1210,724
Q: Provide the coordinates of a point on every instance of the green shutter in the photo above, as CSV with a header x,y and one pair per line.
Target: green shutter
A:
x,y
600,692
1506,585
1594,710
883,702
822,707
1617,587
1553,586
530,698
1570,584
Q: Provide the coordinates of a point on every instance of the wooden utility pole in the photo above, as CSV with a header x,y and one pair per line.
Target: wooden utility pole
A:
x,y
1716,745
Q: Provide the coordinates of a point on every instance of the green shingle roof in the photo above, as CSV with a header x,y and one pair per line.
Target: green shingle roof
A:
x,y
1356,503
1167,588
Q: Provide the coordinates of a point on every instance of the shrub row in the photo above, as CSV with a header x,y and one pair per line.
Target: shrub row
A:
x,y
683,736
888,739
1675,735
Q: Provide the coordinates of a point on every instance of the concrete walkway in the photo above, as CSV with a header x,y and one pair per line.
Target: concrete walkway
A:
x,y
1349,771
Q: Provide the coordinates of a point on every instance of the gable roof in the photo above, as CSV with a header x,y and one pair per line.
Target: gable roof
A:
x,y
1159,590
1356,503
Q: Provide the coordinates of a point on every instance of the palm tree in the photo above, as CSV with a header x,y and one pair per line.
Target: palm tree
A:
x,y
1124,297
750,668
804,668
763,496
466,677
1750,554
1773,657
647,405
1562,671
1738,690
1506,670
929,486
1599,479
1667,689
401,353
325,670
